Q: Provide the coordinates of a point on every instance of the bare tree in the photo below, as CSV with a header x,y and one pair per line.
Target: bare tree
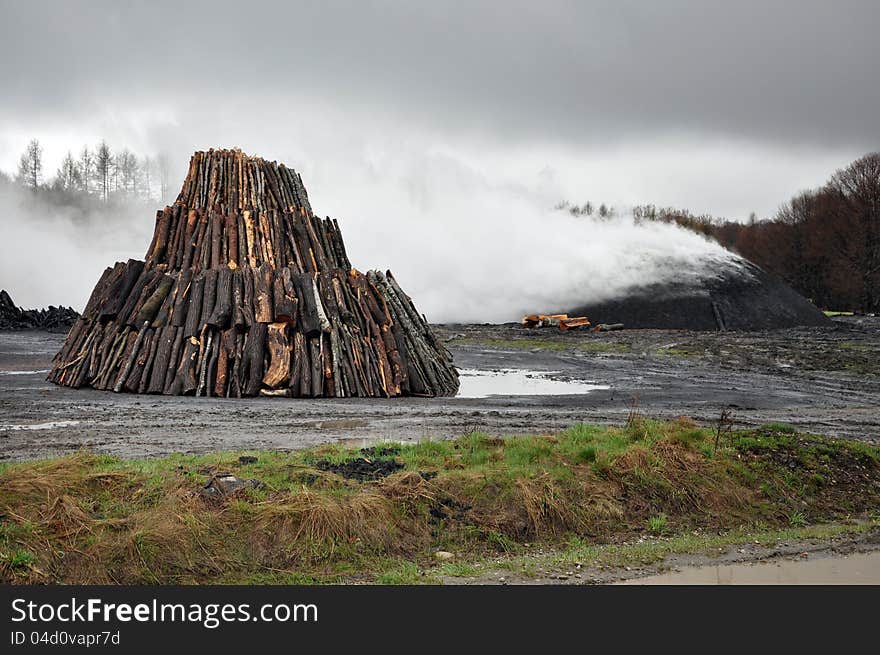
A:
x,y
103,169
127,171
30,166
856,217
68,176
145,177
86,168
164,169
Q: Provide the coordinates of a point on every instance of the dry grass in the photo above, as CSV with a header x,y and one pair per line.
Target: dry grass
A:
x,y
94,519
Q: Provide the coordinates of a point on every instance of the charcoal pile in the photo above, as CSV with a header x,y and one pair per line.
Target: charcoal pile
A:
x,y
53,319
734,296
244,292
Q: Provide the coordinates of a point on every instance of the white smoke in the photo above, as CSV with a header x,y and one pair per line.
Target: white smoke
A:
x,y
468,251
465,249
54,255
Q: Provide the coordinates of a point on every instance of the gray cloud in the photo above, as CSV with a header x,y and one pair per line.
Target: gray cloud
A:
x,y
570,72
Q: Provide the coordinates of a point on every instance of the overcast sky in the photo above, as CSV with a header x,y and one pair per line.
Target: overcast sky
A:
x,y
721,107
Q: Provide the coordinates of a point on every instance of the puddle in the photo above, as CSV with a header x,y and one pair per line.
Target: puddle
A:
x,y
861,568
38,426
43,370
517,382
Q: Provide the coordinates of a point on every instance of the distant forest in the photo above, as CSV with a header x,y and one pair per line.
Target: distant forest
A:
x,y
824,242
97,172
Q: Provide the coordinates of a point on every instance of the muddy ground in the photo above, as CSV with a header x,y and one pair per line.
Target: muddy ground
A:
x,y
823,380
828,555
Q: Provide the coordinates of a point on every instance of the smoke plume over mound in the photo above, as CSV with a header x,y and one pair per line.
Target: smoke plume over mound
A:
x,y
470,252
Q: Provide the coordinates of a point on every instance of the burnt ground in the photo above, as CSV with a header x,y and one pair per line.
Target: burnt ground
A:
x,y
820,379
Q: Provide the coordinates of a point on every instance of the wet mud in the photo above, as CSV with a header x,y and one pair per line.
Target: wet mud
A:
x,y
821,379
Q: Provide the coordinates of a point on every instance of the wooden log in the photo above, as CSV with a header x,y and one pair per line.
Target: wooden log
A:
x,y
203,238
297,355
217,223
250,238
390,385
277,373
190,238
174,360
317,372
241,314
133,380
305,372
133,307
336,373
222,311
300,237
164,346
236,384
254,348
266,239
150,359
120,294
264,281
232,236
214,348
111,364
308,318
151,307
160,237
132,354
181,300
285,300
102,351
226,356
176,248
194,308
185,380
112,293
164,313
209,296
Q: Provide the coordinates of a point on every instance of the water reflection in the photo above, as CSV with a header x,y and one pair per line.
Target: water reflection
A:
x,y
517,382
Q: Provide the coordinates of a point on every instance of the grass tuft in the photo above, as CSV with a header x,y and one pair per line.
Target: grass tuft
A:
x,y
87,518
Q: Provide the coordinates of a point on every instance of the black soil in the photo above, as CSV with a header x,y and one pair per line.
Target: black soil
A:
x,y
744,298
361,469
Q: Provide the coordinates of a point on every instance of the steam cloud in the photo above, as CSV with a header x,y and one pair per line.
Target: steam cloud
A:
x,y
465,249
54,255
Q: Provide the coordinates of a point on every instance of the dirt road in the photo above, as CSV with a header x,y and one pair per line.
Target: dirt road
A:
x,y
824,380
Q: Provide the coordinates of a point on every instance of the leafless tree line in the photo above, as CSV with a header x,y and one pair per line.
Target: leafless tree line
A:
x,y
98,171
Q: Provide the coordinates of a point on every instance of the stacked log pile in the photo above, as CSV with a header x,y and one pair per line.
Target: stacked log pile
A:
x,y
52,318
245,292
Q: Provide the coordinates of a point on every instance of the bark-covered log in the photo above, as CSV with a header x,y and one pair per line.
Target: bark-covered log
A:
x,y
222,312
181,300
194,308
164,346
285,298
264,282
254,346
277,373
